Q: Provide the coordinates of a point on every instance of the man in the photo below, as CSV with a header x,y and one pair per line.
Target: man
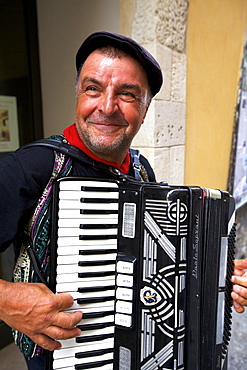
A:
x,y
116,81
115,85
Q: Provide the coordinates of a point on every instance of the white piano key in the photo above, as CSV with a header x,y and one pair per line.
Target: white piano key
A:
x,y
75,249
93,282
71,277
95,320
105,367
72,342
76,204
73,287
68,194
62,231
93,306
74,268
65,260
66,242
75,222
91,346
76,185
86,360
106,307
75,214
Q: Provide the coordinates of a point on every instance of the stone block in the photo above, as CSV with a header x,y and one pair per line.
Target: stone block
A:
x,y
169,124
178,80
145,136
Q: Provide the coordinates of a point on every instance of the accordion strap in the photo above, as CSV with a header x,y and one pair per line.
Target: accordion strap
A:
x,y
70,150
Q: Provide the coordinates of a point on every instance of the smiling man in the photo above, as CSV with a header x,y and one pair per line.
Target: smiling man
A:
x,y
112,100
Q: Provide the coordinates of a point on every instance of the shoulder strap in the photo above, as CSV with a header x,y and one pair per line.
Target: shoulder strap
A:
x,y
72,151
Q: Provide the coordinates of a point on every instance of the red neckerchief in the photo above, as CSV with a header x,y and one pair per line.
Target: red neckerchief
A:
x,y
73,138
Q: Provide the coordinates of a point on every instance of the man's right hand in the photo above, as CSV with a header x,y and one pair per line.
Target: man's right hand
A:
x,y
35,311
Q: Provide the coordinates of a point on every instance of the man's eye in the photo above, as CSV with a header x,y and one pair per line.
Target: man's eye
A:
x,y
91,90
128,96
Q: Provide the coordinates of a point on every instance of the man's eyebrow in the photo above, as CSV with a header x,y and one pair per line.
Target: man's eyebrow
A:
x,y
131,87
90,79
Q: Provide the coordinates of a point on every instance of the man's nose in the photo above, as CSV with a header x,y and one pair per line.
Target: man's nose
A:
x,y
108,104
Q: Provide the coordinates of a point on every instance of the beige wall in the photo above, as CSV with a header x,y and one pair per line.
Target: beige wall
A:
x,y
62,25
215,36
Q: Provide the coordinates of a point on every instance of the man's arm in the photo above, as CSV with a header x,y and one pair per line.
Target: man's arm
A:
x,y
239,280
35,311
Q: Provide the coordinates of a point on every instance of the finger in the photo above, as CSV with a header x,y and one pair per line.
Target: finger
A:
x,y
58,333
67,320
64,301
241,263
238,308
46,342
240,280
239,295
238,272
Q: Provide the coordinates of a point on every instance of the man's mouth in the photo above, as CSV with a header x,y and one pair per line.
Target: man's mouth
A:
x,y
107,123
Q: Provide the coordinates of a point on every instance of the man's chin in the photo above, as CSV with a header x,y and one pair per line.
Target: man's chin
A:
x,y
112,152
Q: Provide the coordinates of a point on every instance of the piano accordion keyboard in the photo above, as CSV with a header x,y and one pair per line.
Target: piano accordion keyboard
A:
x,y
86,264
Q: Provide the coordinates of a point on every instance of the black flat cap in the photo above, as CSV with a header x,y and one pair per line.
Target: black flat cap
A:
x,y
99,39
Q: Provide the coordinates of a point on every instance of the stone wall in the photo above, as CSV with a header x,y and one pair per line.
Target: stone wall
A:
x,y
160,26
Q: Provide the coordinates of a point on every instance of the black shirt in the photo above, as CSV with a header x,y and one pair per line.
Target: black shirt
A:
x,y
23,177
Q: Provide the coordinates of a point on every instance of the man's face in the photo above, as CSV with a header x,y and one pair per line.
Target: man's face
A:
x,y
112,100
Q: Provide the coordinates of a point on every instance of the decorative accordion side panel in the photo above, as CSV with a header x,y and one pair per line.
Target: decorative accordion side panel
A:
x,y
181,250
156,338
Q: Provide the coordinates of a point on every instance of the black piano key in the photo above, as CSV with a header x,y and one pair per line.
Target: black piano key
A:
x,y
97,237
91,315
99,325
95,289
99,189
98,211
93,300
95,263
98,200
97,352
96,251
93,364
98,226
95,274
94,338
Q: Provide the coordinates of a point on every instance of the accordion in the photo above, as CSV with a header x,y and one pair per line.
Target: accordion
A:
x,y
149,265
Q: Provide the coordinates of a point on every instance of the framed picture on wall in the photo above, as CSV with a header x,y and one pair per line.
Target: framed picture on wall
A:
x,y
9,133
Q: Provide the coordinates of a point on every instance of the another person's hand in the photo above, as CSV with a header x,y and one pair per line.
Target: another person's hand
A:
x,y
35,311
239,280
